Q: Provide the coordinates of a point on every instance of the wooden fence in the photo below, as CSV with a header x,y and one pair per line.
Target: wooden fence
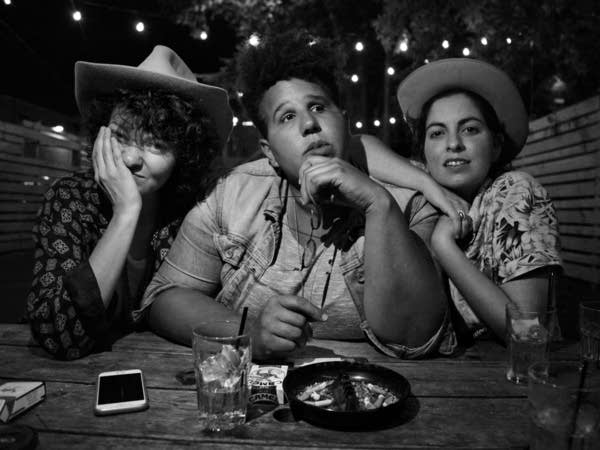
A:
x,y
30,160
563,153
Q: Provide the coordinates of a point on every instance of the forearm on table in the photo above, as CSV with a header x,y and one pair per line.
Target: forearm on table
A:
x,y
404,299
177,311
108,257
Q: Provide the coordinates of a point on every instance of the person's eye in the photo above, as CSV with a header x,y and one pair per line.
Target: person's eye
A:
x,y
435,134
120,135
317,108
471,129
286,117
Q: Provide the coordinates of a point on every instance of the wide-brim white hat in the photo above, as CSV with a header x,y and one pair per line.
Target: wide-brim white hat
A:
x,y
473,75
164,70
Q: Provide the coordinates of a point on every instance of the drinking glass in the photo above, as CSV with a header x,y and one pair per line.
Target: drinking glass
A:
x,y
528,338
221,365
564,406
589,330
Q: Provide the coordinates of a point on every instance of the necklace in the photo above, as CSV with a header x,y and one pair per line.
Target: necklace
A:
x,y
311,246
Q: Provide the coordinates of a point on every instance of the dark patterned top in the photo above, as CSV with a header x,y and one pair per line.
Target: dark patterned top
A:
x,y
64,306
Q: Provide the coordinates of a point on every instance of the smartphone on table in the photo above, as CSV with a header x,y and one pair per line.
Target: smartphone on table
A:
x,y
120,391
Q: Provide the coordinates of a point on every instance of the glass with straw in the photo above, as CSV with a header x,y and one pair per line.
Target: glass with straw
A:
x,y
564,406
222,358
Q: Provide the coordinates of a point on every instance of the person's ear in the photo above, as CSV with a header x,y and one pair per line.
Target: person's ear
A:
x,y
265,147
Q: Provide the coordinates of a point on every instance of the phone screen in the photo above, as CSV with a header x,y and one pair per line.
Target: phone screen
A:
x,y
120,388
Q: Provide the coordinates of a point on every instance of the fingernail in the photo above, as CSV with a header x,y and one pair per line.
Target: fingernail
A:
x,y
324,317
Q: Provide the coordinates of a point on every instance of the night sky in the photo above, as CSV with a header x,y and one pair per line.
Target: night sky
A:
x,y
40,43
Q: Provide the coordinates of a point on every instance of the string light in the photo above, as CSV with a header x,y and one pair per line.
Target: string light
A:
x,y
359,47
376,122
403,46
247,123
508,40
235,121
484,41
354,78
140,27
391,71
392,120
445,43
204,35
426,61
7,2
254,40
358,125
466,51
58,129
77,16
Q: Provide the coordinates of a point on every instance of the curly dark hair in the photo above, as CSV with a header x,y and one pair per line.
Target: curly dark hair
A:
x,y
498,131
283,56
179,124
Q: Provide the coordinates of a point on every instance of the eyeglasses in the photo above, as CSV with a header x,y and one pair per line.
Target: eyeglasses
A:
x,y
310,248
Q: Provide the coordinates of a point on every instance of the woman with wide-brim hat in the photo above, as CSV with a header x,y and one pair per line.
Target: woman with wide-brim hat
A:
x,y
469,122
155,130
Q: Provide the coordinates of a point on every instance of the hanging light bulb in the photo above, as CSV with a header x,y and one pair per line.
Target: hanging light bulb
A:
x,y
484,41
359,47
445,43
392,120
354,78
140,27
508,40
254,40
466,51
203,35
77,16
358,124
7,2
376,122
391,71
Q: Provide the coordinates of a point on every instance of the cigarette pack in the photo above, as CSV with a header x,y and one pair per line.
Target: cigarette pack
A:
x,y
266,384
18,396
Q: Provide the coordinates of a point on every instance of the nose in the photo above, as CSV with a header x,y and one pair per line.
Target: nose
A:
x,y
132,157
310,124
455,143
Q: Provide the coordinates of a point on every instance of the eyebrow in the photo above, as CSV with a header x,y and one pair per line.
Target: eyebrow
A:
x,y
308,98
460,122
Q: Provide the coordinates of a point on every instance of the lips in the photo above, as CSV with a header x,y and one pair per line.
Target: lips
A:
x,y
319,147
456,162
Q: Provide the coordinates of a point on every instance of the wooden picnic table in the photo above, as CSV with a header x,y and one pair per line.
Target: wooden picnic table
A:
x,y
464,401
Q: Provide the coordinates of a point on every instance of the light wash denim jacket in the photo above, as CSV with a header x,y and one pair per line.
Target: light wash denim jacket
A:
x,y
226,243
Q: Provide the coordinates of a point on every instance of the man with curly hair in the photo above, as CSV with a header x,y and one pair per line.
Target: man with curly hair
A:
x,y
308,242
101,234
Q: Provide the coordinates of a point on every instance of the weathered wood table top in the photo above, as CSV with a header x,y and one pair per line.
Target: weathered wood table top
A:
x,y
460,402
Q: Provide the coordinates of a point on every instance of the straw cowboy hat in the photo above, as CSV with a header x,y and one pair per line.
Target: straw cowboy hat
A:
x,y
163,69
473,75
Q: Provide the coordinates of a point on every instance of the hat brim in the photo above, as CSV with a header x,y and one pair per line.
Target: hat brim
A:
x,y
93,80
473,75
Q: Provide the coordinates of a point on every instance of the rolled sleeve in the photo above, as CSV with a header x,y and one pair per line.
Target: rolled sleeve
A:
x,y
439,342
192,262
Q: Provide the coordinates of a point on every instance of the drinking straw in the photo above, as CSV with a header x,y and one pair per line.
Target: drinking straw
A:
x,y
578,400
242,325
328,277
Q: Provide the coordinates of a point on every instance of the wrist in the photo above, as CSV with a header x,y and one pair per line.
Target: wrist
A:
x,y
381,203
126,216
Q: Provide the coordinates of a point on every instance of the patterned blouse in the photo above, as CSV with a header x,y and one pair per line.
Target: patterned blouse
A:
x,y
64,306
515,231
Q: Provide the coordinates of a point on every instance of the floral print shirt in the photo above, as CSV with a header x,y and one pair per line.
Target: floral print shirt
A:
x,y
515,231
64,306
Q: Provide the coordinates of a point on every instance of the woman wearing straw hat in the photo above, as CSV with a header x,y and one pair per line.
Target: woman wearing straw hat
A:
x,y
155,131
469,122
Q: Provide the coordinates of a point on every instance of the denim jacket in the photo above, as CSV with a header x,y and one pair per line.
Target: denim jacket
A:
x,y
227,242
